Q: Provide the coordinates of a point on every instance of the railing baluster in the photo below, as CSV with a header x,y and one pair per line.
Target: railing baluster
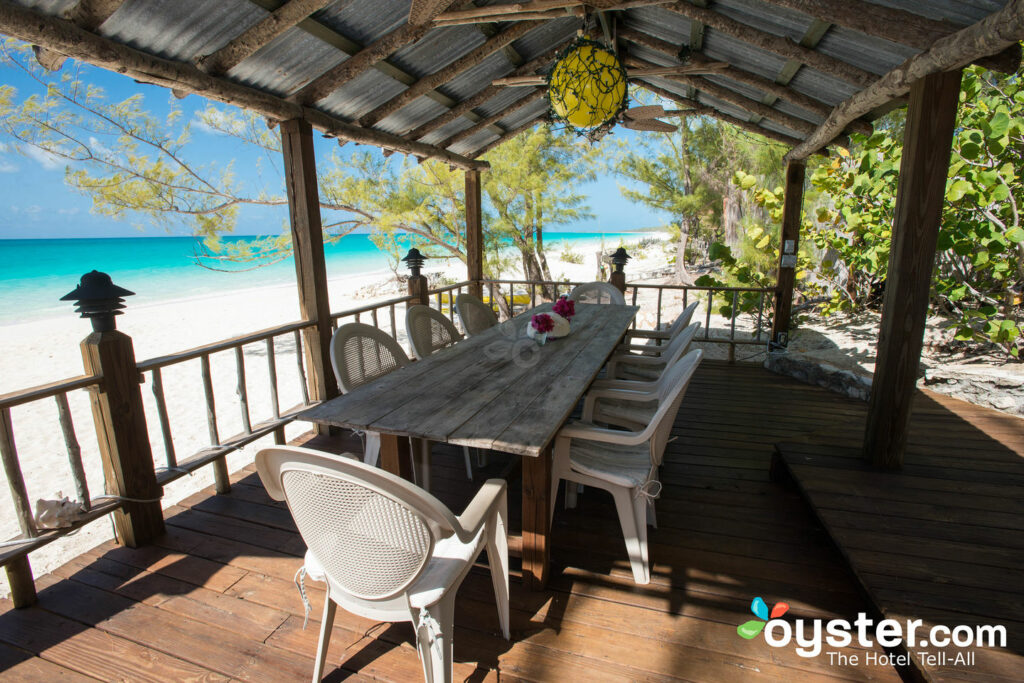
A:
x,y
707,320
490,295
165,422
732,329
394,328
760,315
533,295
67,427
686,295
302,368
275,404
636,291
15,479
437,298
357,316
661,291
451,307
211,409
243,392
373,316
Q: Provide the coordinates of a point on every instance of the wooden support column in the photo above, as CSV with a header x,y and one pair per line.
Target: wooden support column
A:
x,y
308,247
122,435
419,289
789,243
920,196
536,519
474,234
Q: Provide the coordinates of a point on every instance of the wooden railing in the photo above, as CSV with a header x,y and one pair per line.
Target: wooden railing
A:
x,y
508,302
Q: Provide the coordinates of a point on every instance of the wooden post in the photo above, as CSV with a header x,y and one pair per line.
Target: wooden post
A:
x,y
536,519
920,195
419,289
308,246
618,277
474,234
122,435
789,240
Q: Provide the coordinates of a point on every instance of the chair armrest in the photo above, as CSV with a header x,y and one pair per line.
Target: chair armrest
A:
x,y
638,360
644,349
483,506
626,384
649,334
589,432
624,393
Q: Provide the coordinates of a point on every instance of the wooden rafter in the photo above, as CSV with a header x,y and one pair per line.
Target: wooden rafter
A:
x,y
752,107
91,14
491,120
578,12
442,76
334,78
422,11
263,33
507,136
69,39
740,76
538,9
704,110
465,107
895,25
996,32
776,44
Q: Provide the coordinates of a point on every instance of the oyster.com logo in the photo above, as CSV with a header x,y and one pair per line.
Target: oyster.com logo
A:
x,y
751,629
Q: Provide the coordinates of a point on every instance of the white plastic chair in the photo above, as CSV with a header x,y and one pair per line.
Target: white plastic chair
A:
x,y
597,293
650,364
360,354
625,463
388,550
658,339
430,331
602,404
476,316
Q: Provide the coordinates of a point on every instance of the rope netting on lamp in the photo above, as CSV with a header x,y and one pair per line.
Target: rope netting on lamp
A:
x,y
587,88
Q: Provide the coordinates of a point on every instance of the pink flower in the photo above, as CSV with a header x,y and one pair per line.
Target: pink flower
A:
x,y
542,323
564,307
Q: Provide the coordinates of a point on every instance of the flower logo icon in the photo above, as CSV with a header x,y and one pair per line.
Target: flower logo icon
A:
x,y
751,628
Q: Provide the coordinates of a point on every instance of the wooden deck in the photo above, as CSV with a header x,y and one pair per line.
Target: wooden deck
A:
x,y
942,539
214,598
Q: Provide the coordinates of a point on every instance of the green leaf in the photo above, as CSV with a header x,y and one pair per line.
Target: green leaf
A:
x,y
970,150
998,125
1014,235
750,629
957,190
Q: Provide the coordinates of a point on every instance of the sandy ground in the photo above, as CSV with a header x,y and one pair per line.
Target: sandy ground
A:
x,y
43,351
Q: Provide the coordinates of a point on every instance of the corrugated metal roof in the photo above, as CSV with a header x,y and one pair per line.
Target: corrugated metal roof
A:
x,y
186,29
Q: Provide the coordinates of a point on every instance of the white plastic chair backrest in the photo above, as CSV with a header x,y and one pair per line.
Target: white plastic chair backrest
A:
x,y
678,346
597,293
372,532
361,353
683,320
476,316
429,330
670,397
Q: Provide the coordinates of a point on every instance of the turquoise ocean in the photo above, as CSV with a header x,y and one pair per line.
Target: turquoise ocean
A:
x,y
34,274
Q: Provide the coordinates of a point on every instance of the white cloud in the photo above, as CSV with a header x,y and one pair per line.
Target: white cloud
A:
x,y
46,159
69,212
33,209
7,167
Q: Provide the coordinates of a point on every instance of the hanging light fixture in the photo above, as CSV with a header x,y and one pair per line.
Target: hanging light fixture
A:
x,y
587,88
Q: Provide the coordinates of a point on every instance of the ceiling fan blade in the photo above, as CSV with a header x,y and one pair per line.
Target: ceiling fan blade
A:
x,y
515,81
422,11
651,111
651,125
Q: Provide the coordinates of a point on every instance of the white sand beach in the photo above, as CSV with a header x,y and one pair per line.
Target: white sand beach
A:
x,y
43,351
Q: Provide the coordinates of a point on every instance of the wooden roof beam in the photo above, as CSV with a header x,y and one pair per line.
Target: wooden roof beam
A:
x,y
262,33
466,106
753,107
334,78
704,110
996,32
537,94
69,39
507,136
775,44
91,14
894,25
442,76
740,76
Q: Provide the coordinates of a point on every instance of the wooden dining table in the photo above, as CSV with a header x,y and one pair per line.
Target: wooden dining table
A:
x,y
496,390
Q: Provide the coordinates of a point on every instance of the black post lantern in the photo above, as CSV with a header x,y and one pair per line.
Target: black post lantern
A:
x,y
619,258
414,259
99,299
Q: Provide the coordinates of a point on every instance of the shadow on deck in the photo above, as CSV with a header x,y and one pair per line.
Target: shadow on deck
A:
x,y
214,597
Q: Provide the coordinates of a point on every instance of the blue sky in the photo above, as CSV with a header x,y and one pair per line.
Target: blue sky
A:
x,y
35,202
